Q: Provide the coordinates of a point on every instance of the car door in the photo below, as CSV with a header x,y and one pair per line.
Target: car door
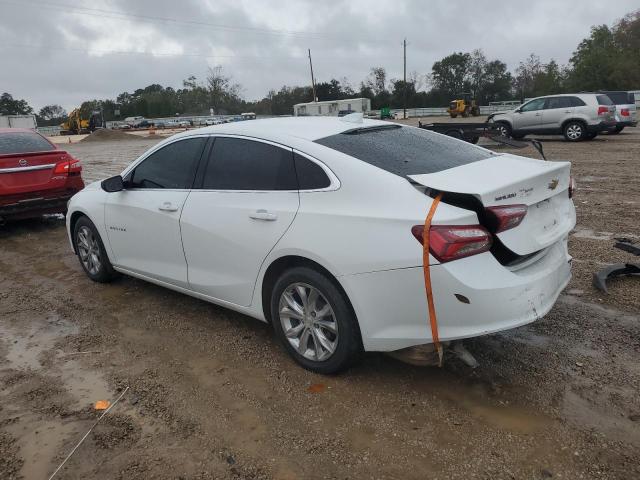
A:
x,y
143,220
529,117
247,199
556,110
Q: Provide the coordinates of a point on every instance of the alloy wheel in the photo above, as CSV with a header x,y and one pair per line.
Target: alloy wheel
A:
x,y
308,321
89,250
574,131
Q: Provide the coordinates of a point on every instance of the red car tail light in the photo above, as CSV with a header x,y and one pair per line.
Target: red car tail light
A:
x,y
624,112
68,167
507,216
451,242
603,110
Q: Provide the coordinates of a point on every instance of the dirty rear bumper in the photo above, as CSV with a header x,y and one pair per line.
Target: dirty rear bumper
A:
x,y
35,204
392,310
601,127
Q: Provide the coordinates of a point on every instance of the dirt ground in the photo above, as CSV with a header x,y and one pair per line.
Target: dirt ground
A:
x,y
211,394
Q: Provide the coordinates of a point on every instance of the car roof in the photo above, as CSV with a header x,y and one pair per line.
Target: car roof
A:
x,y
306,128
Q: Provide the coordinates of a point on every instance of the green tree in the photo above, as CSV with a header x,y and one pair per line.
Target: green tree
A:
x,y
11,106
452,74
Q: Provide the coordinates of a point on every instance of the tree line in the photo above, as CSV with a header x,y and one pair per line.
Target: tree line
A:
x,y
609,58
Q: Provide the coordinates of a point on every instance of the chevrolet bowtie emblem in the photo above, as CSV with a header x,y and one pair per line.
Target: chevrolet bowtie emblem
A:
x,y
553,184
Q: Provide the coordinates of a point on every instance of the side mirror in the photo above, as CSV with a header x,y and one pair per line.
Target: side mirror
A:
x,y
113,184
517,110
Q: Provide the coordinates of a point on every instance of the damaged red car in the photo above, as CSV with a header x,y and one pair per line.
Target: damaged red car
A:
x,y
36,177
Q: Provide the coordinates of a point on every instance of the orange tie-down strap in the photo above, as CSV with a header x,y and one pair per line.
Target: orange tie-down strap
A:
x,y
427,277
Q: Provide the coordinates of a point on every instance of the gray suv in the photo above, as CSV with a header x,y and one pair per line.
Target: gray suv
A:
x,y
626,114
579,116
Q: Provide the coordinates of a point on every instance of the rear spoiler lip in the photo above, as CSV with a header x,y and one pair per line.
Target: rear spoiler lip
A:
x,y
33,154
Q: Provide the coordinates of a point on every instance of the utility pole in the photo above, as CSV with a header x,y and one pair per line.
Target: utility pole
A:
x,y
313,82
404,45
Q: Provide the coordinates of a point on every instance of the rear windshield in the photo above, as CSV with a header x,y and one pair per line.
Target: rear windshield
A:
x,y
405,151
23,142
604,100
621,98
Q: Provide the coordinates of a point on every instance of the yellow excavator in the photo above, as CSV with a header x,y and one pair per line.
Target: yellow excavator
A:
x,y
464,106
76,124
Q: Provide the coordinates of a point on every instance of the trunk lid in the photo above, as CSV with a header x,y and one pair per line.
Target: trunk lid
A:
x,y
509,180
28,172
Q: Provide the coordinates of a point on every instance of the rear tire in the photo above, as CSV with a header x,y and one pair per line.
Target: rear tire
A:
x,y
574,131
314,321
591,136
91,252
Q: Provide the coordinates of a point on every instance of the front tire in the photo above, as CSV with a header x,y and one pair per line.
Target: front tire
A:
x,y
504,129
91,252
574,131
314,321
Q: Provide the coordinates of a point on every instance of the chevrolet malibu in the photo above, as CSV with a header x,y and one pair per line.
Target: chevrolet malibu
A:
x,y
316,226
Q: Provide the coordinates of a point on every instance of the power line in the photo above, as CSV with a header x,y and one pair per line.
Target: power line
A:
x,y
90,51
102,13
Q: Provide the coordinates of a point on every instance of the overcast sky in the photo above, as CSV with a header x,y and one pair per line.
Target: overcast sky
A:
x,y
64,52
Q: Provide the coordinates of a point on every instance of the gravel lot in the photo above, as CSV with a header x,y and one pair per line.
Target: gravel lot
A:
x,y
211,394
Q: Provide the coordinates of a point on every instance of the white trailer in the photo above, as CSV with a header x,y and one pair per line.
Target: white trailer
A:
x,y
17,121
332,108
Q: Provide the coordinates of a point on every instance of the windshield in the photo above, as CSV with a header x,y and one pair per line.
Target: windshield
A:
x,y
405,150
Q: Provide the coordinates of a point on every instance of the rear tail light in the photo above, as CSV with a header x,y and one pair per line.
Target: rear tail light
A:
x,y
603,110
451,242
506,217
624,112
572,186
68,167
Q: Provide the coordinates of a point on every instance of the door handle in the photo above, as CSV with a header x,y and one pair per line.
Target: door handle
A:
x,y
168,207
263,215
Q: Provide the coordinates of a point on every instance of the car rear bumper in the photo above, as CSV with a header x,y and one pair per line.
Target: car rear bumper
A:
x,y
601,127
35,204
627,123
392,310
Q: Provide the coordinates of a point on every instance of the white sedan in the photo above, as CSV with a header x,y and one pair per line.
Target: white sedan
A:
x,y
316,225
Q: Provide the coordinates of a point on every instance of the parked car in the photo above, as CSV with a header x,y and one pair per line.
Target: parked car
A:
x,y
35,176
316,225
143,124
576,116
626,110
343,113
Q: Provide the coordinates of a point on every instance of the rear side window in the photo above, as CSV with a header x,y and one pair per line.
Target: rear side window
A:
x,y
310,175
603,100
240,164
405,150
576,102
172,166
23,142
558,102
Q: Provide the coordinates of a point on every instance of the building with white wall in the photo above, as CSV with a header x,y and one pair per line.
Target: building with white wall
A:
x,y
331,108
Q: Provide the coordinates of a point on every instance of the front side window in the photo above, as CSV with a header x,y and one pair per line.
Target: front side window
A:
x,y
533,105
241,164
173,166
